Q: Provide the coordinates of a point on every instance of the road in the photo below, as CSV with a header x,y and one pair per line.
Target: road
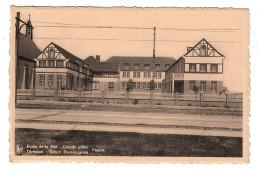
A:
x,y
157,123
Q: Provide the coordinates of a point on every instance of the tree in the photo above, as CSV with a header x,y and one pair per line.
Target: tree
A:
x,y
152,85
130,85
85,82
196,89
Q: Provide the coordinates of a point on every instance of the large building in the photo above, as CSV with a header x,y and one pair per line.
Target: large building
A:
x,y
59,69
140,69
27,51
198,70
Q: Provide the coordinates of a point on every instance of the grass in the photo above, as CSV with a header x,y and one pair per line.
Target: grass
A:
x,y
132,144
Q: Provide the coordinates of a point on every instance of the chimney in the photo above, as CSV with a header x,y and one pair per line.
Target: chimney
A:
x,y
189,48
98,58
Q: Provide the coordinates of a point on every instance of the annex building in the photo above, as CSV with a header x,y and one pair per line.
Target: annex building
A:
x,y
200,69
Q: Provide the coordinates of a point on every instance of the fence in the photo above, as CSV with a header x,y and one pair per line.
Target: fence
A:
x,y
201,99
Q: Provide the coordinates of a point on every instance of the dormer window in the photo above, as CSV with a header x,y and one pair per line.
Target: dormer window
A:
x,y
203,50
157,65
126,65
51,53
146,65
136,65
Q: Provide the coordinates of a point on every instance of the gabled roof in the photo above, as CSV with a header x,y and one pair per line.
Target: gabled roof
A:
x,y
97,66
211,50
90,60
67,54
27,48
132,60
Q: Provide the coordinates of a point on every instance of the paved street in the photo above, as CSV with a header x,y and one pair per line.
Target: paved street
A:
x,y
157,123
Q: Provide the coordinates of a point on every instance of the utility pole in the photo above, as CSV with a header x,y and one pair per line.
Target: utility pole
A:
x,y
153,64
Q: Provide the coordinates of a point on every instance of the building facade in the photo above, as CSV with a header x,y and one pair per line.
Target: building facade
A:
x,y
199,70
140,70
56,68
105,74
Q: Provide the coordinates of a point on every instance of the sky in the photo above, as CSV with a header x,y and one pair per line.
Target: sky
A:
x,y
85,32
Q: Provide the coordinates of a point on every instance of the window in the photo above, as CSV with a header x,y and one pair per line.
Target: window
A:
x,y
42,63
192,85
158,75
202,86
214,68
145,85
146,65
59,81
157,65
126,65
138,75
95,85
110,84
60,64
51,63
136,65
124,74
134,85
42,80
134,74
50,81
213,86
51,53
192,67
203,67
147,74
159,85
137,84
155,85
203,50
128,74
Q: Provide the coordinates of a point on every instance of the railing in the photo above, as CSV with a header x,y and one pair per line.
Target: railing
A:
x,y
200,97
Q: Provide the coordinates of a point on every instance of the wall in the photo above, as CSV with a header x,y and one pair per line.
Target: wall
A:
x,y
22,62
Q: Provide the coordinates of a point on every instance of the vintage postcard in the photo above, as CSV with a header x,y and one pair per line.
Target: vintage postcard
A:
x,y
133,85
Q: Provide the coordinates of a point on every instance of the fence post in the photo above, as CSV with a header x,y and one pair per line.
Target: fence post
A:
x,y
126,97
227,100
201,99
176,98
151,97
103,96
33,93
56,94
79,94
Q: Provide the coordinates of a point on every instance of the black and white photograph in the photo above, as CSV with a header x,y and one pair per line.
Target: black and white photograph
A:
x,y
129,84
